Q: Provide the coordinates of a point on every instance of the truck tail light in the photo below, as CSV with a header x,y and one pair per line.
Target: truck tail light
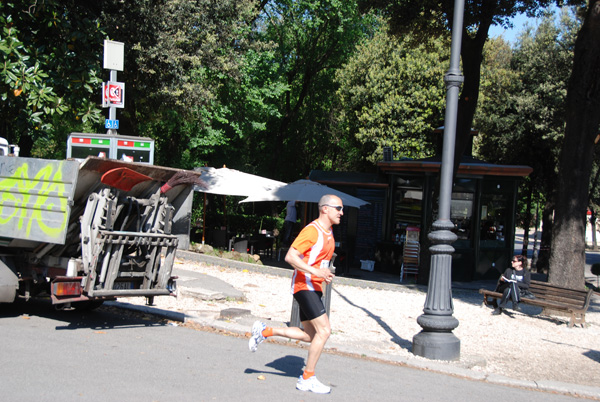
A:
x,y
66,289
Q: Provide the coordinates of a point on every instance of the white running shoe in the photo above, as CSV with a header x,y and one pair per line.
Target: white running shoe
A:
x,y
257,337
312,385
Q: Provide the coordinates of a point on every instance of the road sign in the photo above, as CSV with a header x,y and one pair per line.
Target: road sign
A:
x,y
111,124
113,94
113,55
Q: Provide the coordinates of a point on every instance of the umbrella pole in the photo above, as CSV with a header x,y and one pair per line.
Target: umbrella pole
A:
x,y
225,212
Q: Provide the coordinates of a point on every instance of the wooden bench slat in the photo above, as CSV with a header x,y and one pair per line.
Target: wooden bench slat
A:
x,y
556,290
573,293
575,298
562,295
552,286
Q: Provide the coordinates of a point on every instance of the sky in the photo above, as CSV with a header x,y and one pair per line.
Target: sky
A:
x,y
519,22
510,35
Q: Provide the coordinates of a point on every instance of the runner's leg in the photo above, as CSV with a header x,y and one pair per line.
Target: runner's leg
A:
x,y
294,333
321,329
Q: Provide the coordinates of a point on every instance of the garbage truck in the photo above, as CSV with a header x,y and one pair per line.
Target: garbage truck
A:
x,y
82,232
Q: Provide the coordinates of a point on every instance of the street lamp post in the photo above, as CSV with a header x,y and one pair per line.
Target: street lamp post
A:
x,y
436,340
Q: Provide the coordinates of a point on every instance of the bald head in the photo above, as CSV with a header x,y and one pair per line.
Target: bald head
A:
x,y
331,210
329,199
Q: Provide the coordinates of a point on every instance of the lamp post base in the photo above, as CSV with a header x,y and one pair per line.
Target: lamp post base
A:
x,y
436,345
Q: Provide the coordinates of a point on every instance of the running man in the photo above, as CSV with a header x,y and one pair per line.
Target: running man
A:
x,y
309,255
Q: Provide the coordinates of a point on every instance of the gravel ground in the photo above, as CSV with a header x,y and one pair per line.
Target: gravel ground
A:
x,y
519,345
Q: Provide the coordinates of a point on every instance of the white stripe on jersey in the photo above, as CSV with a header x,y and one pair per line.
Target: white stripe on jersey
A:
x,y
312,257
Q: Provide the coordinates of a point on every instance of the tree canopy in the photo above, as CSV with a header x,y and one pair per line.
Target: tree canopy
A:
x,y
49,76
434,17
393,94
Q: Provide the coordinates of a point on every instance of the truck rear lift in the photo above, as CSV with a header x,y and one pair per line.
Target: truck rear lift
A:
x,y
95,231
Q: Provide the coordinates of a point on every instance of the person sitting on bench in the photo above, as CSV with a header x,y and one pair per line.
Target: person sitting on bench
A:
x,y
512,282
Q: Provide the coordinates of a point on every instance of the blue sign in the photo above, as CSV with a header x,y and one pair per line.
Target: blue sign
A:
x,y
111,124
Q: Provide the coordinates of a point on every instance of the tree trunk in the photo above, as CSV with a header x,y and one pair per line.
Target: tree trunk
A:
x,y
471,56
567,257
542,263
527,221
25,145
536,246
593,228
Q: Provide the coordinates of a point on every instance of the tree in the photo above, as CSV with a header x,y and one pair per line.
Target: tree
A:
x,y
50,72
186,74
435,17
522,112
567,259
313,38
392,94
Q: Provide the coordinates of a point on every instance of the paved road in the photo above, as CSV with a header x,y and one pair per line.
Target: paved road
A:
x,y
105,356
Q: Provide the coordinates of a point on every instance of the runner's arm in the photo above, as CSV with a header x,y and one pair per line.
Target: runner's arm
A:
x,y
294,258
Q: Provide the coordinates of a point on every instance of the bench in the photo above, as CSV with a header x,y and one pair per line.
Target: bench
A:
x,y
572,301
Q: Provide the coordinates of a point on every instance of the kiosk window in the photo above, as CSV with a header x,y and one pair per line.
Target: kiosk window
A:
x,y
138,155
493,220
408,199
80,152
461,214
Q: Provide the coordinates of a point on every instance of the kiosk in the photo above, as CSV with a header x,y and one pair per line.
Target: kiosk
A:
x,y
121,147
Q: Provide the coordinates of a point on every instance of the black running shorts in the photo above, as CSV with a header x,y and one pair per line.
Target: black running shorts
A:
x,y
311,305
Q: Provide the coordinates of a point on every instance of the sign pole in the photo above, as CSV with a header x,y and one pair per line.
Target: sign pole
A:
x,y
113,92
112,110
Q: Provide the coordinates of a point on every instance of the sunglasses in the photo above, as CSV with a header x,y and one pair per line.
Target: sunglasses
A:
x,y
338,208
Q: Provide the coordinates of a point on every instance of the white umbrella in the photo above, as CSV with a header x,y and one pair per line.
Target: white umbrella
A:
x,y
305,191
226,181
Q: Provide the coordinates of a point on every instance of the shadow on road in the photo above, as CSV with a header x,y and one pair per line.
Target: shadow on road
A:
x,y
103,318
287,366
593,354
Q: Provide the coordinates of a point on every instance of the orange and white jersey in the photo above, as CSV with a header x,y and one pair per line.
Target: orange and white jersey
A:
x,y
317,246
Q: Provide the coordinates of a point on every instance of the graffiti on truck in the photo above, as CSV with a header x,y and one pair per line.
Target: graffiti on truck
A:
x,y
34,200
